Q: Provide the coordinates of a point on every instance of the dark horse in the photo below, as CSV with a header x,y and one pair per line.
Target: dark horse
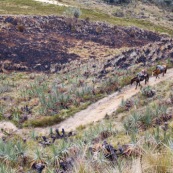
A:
x,y
139,79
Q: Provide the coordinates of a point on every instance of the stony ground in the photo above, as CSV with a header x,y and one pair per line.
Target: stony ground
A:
x,y
147,55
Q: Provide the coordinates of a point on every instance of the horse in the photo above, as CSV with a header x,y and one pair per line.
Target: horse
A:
x,y
158,71
139,79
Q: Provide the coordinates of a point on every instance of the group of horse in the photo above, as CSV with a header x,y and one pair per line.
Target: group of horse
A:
x,y
145,77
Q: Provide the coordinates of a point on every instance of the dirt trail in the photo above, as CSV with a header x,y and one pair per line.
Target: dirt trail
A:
x,y
98,110
107,105
54,2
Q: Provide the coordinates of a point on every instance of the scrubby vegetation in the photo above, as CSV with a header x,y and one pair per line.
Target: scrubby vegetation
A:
x,y
58,96
143,142
49,99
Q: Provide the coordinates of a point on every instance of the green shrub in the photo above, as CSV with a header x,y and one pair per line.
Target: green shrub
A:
x,y
10,152
72,11
4,88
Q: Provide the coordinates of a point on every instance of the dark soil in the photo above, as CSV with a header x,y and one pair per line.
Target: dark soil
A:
x,y
147,55
36,42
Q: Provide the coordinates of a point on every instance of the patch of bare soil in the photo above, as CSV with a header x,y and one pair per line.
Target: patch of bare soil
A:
x,y
7,127
52,2
36,42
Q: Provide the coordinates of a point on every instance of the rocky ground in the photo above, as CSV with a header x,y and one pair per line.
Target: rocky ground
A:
x,y
147,55
37,42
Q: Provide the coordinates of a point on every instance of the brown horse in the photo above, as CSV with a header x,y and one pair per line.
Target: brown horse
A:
x,y
139,79
158,71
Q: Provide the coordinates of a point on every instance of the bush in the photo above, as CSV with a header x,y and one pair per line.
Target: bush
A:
x,y
5,88
75,12
148,91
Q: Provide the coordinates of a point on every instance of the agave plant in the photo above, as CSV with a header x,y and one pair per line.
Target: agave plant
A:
x,y
6,169
10,152
146,119
38,156
59,151
5,88
131,123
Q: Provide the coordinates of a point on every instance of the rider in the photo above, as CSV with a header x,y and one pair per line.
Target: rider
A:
x,y
160,67
142,74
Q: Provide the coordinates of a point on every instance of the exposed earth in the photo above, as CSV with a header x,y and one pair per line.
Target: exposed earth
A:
x,y
36,42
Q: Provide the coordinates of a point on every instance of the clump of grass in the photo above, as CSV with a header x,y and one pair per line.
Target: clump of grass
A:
x,y
121,109
6,169
126,105
158,162
145,119
125,80
5,88
148,91
11,152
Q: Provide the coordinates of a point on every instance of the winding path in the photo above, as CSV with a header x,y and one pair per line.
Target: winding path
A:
x,y
98,110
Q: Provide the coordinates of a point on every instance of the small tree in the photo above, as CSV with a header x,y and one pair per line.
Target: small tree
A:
x,y
75,12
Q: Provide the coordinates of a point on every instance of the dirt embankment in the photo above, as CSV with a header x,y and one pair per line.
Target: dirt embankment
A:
x,y
36,42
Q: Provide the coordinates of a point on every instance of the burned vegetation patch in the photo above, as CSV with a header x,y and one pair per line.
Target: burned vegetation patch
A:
x,y
148,54
35,43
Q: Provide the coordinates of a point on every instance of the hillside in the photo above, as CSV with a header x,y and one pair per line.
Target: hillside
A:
x,y
146,16
35,43
67,103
